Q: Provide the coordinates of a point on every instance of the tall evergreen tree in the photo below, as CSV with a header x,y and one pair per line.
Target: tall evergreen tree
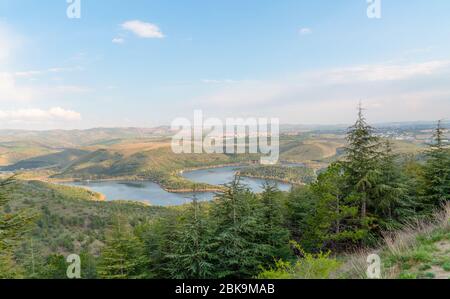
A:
x,y
331,222
237,231
158,237
391,204
275,234
300,204
362,162
123,256
437,171
192,257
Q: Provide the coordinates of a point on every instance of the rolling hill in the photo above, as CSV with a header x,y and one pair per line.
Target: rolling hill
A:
x,y
78,138
310,150
146,154
57,160
14,151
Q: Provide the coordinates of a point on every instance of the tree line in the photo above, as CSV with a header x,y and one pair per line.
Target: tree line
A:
x,y
273,234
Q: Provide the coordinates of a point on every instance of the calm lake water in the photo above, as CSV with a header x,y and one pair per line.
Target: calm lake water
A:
x,y
223,175
153,194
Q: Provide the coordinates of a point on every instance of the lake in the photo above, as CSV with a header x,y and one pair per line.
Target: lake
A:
x,y
153,194
223,175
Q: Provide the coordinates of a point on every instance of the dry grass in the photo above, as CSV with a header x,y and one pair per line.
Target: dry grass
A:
x,y
398,242
394,244
327,148
133,148
129,148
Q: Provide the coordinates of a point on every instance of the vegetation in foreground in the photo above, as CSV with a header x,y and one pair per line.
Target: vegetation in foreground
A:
x,y
420,250
240,234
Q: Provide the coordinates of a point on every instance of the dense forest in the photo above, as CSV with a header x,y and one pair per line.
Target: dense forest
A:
x,y
294,175
241,234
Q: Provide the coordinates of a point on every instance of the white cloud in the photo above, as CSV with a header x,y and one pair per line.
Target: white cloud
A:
x,y
38,115
33,73
118,40
391,91
142,29
305,31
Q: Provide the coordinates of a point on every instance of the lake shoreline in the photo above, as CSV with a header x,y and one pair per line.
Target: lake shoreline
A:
x,y
212,189
140,179
272,179
139,189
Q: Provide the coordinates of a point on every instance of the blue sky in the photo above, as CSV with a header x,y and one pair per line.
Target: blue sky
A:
x,y
143,63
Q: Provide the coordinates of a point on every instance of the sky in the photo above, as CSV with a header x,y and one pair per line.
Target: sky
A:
x,y
143,63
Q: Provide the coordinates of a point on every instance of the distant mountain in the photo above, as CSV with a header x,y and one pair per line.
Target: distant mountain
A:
x,y
17,145
413,125
77,138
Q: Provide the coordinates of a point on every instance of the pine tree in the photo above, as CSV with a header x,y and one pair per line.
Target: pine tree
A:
x,y
391,204
362,162
300,204
12,230
193,253
237,231
437,171
331,222
55,267
275,234
31,260
123,255
89,265
413,172
158,237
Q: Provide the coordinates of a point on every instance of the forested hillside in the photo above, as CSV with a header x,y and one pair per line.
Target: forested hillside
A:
x,y
353,204
60,220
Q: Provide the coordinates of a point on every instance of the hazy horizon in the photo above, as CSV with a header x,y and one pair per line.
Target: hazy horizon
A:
x,y
282,126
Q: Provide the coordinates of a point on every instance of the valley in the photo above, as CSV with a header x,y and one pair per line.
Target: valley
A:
x,y
77,195
106,158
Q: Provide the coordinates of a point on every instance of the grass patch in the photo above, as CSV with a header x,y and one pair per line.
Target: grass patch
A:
x,y
419,251
446,266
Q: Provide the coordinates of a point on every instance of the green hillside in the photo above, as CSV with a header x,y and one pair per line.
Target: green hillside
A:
x,y
310,150
145,154
71,219
14,151
57,160
160,165
293,175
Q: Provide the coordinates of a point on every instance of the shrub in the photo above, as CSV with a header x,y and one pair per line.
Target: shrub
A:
x,y
311,266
